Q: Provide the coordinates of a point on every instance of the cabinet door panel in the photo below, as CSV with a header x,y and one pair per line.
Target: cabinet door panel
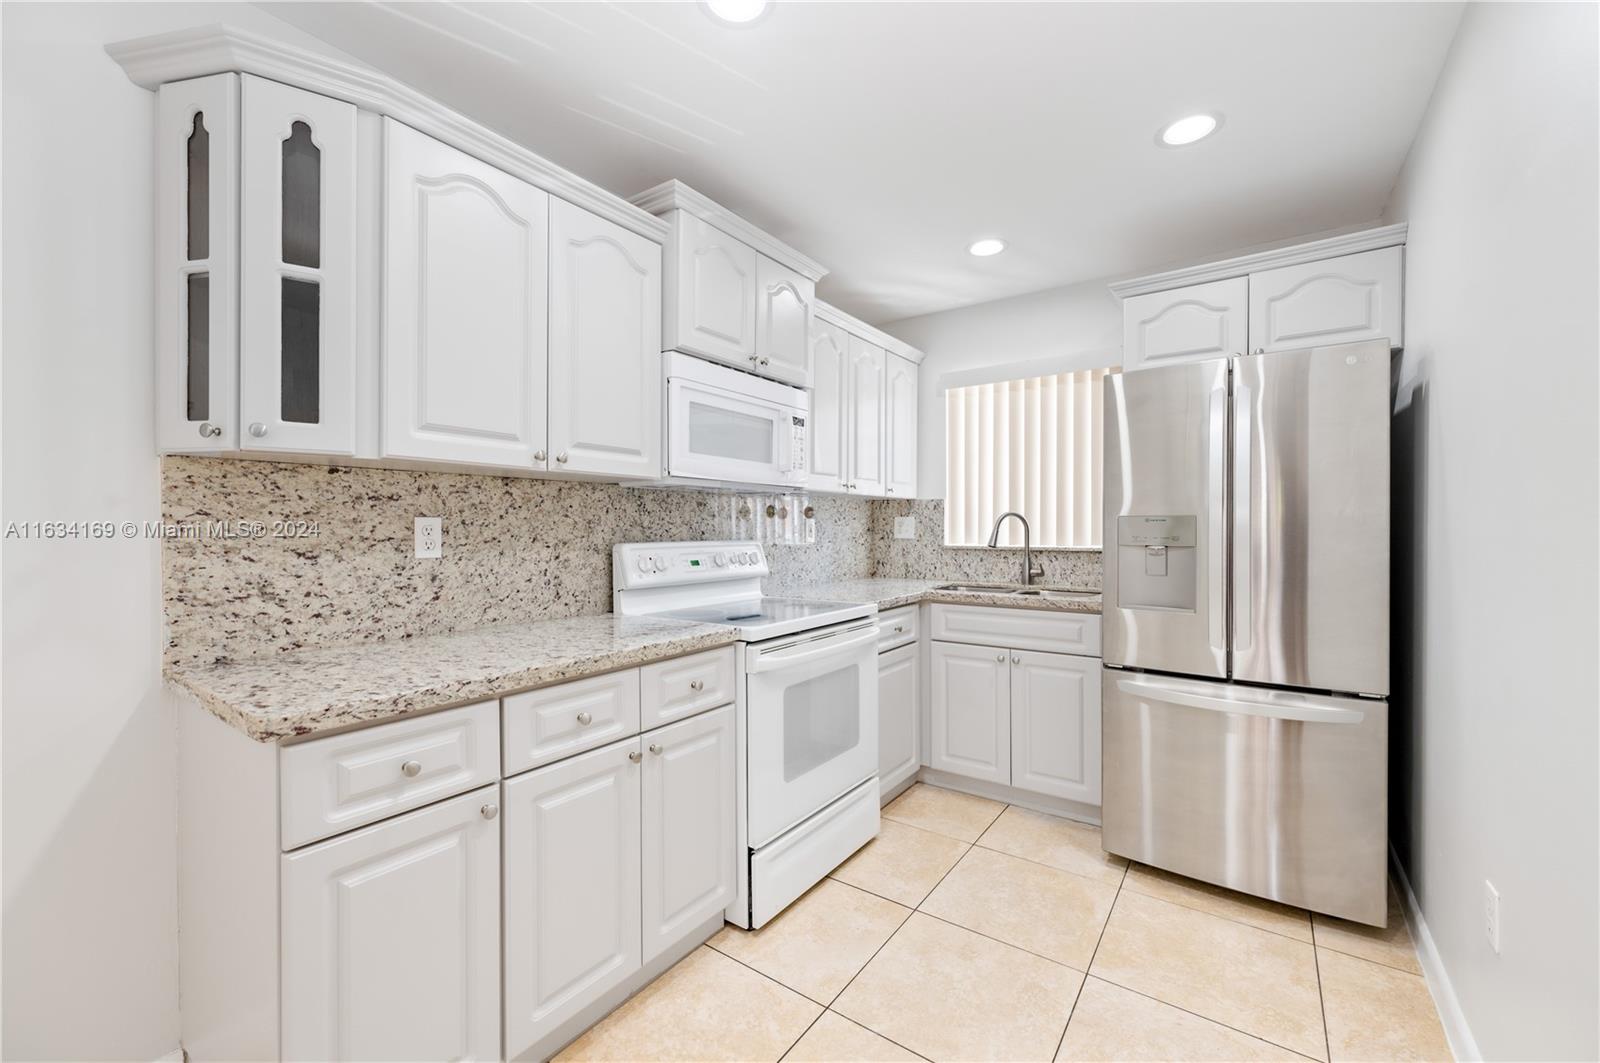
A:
x,y
971,711
1186,324
391,939
714,312
1339,300
899,687
783,323
830,402
297,288
197,253
571,888
465,299
605,365
1055,725
688,832
867,394
901,431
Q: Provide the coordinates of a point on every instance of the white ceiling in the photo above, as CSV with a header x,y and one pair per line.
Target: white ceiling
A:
x,y
882,138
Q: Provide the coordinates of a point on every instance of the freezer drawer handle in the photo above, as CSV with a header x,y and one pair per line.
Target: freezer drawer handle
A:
x,y
1305,712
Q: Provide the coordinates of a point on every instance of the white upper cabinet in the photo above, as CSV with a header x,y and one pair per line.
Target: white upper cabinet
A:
x,y
830,422
867,417
465,298
297,286
605,324
1337,300
783,323
901,431
1186,325
711,293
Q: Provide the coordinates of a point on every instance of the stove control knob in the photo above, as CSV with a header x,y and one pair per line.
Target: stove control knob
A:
x,y
661,564
720,560
644,563
750,558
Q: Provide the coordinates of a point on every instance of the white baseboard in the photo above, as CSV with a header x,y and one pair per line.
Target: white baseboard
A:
x,y
1456,1030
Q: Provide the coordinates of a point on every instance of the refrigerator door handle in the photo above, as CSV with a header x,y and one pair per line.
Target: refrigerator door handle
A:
x,y
1283,708
1243,500
1216,503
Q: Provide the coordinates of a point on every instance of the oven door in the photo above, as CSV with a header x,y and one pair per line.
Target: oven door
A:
x,y
812,706
729,437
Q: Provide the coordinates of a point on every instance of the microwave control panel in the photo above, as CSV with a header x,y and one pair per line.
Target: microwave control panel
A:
x,y
797,447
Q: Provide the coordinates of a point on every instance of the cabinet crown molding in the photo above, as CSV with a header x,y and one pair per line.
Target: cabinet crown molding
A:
x,y
675,195
833,315
201,51
1294,255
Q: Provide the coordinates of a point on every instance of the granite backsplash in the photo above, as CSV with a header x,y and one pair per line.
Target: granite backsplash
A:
x,y
339,567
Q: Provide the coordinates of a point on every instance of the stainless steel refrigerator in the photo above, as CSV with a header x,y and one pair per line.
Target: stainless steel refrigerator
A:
x,y
1246,623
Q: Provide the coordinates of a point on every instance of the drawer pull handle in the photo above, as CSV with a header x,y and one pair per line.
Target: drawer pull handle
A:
x,y
697,685
636,756
655,747
411,769
584,719
490,810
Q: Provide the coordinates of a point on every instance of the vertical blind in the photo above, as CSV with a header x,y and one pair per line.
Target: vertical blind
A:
x,y
1027,445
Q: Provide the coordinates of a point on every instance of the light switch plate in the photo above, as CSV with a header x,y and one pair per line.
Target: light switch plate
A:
x,y
905,527
430,536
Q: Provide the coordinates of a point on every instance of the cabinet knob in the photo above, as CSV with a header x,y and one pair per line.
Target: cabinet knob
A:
x,y
258,429
899,629
584,719
635,756
489,811
766,361
562,457
1259,350
411,769
209,430
538,455
1000,657
1016,659
655,747
697,685
888,490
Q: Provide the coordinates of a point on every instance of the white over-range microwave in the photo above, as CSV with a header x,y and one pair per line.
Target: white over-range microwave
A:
x,y
728,428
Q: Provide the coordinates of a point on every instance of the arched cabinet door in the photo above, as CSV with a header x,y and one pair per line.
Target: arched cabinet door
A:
x,y
465,302
900,433
297,292
867,435
1186,324
829,430
1337,300
712,294
783,323
605,368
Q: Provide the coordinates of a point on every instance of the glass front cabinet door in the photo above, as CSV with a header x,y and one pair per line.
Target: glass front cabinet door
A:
x,y
257,258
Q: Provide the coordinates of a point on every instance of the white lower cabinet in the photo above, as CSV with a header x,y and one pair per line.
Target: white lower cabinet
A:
x,y
391,938
571,887
899,712
970,711
1055,725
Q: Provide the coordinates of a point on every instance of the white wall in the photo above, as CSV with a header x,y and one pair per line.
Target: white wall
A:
x,y
86,745
1495,725
1076,327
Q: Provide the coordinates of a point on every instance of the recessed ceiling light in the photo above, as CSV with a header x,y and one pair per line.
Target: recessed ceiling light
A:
x,y
737,12
986,247
1188,130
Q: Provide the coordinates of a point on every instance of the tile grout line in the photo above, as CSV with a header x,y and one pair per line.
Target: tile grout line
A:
x,y
869,1029
1203,1018
1322,1005
1090,966
1054,867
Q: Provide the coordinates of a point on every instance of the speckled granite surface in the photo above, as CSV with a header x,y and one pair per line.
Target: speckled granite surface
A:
x,y
892,593
313,690
926,556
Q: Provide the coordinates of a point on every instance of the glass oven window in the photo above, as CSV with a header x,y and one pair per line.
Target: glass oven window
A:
x,y
715,431
821,720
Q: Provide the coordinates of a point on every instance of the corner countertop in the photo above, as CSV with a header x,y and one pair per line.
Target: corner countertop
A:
x,y
306,691
893,593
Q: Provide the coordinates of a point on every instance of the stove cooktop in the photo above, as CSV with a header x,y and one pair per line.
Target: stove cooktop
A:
x,y
765,618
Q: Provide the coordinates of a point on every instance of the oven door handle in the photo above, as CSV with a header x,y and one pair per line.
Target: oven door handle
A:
x,y
769,662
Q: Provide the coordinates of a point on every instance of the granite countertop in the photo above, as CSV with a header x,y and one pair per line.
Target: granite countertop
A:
x,y
303,692
893,593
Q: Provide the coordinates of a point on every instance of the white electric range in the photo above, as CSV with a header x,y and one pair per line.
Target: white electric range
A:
x,y
806,711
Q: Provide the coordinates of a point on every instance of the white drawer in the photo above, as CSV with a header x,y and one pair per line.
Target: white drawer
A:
x,y
330,785
683,686
557,721
897,627
1021,629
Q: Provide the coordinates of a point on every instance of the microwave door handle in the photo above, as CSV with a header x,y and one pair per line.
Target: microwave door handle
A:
x,y
1281,709
822,648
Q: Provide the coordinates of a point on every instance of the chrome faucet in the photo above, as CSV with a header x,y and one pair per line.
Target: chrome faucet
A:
x,y
1030,571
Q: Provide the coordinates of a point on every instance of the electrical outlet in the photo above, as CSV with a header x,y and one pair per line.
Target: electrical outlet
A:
x,y
905,527
430,536
1491,915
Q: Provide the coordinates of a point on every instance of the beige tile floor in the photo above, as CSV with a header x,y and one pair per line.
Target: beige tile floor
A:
x,y
970,930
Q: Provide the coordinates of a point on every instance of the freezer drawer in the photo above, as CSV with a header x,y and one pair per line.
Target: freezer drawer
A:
x,y
1275,793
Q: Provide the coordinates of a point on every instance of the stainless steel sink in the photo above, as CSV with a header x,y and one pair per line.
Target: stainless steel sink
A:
x,y
1057,593
981,588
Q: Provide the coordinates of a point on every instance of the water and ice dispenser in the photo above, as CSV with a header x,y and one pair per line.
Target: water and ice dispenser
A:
x,y
1156,562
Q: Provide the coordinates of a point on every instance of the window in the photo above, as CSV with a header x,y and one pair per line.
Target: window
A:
x,y
1027,445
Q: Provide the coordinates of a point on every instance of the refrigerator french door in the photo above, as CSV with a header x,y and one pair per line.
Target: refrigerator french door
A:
x,y
1246,623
